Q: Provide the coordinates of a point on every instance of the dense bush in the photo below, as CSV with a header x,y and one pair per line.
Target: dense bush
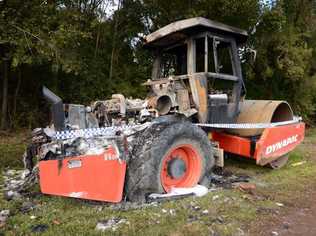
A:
x,y
82,50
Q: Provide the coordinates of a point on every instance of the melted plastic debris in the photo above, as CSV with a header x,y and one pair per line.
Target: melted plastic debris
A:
x,y
16,182
110,224
4,214
198,190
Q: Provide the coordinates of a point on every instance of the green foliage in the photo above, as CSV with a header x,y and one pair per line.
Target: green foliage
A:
x,y
82,53
283,69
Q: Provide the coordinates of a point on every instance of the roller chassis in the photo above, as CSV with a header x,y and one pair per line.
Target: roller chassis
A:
x,y
128,148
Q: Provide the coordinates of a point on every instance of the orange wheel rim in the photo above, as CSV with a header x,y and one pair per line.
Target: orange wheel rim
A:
x,y
181,167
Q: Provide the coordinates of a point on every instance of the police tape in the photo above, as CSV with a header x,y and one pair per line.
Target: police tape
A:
x,y
250,125
115,131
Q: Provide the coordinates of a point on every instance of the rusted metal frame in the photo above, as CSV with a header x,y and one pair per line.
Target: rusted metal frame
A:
x,y
179,43
198,82
193,22
206,54
236,69
222,76
202,35
182,77
191,57
156,65
157,59
239,84
226,40
215,55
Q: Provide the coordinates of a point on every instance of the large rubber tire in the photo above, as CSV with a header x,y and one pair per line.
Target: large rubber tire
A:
x,y
151,148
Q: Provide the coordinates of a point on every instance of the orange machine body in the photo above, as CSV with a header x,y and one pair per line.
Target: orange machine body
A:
x,y
271,144
101,177
96,177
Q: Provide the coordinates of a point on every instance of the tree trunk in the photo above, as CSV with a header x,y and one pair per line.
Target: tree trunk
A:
x,y
116,19
4,108
16,92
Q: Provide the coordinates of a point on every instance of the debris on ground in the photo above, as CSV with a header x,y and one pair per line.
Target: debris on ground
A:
x,y
298,163
56,222
40,228
204,212
226,179
197,190
125,206
4,214
111,224
215,197
239,232
16,182
194,206
192,218
274,233
246,187
172,212
279,204
27,207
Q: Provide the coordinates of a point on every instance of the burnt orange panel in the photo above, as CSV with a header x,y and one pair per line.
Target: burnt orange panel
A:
x,y
233,144
96,177
278,141
273,143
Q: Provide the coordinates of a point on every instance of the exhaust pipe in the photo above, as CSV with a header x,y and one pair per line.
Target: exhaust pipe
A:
x,y
57,109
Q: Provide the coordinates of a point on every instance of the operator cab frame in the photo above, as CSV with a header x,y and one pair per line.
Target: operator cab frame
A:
x,y
204,54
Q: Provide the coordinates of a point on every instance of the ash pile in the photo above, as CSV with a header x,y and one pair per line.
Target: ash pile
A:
x,y
18,183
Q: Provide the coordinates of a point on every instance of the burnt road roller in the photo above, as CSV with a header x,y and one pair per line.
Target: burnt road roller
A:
x,y
195,112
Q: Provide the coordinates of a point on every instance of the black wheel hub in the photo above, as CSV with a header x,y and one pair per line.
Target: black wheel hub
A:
x,y
176,168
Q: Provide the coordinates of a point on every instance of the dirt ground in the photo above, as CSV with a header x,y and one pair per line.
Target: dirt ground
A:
x,y
298,219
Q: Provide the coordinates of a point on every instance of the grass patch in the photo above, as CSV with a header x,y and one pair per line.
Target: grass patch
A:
x,y
229,211
12,147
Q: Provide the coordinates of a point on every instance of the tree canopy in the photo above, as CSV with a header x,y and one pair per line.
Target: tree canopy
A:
x,y
89,49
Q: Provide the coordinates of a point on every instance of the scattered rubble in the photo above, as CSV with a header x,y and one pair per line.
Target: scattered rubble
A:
x,y
56,222
298,163
239,232
205,212
4,214
246,187
226,179
286,225
27,207
16,182
111,224
172,212
198,191
40,228
215,197
192,218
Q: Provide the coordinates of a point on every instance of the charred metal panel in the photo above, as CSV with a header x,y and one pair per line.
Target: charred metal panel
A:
x,y
192,26
57,108
198,84
77,116
183,100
